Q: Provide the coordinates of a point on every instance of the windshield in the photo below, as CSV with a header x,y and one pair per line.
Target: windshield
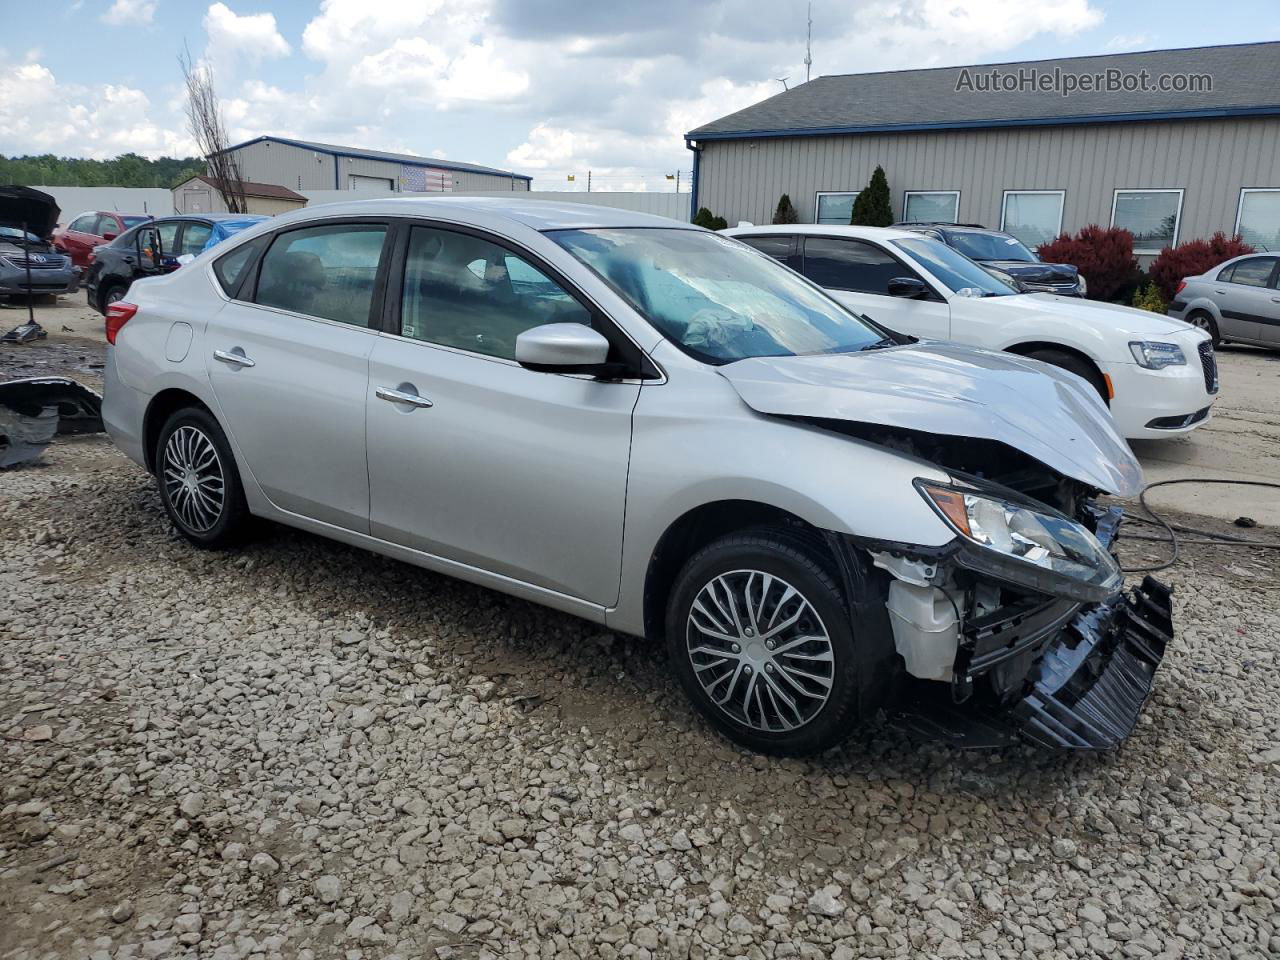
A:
x,y
954,269
15,233
991,246
716,298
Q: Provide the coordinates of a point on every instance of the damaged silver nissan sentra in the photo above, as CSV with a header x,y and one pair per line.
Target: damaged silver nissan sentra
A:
x,y
664,431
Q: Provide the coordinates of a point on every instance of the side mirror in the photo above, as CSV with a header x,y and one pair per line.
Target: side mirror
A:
x,y
563,348
108,237
909,288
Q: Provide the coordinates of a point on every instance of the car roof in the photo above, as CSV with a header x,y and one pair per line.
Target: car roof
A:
x,y
828,230
536,214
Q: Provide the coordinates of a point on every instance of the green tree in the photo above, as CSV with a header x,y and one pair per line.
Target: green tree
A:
x,y
705,218
127,170
871,206
785,213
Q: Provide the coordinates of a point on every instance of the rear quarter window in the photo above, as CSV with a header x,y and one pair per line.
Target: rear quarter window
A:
x,y
230,267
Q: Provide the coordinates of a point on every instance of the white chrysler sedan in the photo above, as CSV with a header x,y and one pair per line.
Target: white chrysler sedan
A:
x,y
655,427
1158,375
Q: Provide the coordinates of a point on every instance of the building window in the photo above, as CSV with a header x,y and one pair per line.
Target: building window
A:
x,y
1033,216
931,206
1258,218
834,208
1150,215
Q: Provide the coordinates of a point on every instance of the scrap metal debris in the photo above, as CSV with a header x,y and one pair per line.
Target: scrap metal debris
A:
x,y
32,411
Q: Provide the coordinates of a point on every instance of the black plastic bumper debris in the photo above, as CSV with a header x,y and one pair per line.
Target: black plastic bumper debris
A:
x,y
33,410
1086,690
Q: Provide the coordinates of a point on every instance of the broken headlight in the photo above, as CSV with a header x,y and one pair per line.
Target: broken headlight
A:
x,y
1025,543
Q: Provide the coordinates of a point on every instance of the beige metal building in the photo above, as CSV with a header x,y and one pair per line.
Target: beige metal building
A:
x,y
306,165
1009,146
200,195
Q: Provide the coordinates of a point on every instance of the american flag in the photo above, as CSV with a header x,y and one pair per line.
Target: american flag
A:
x,y
414,179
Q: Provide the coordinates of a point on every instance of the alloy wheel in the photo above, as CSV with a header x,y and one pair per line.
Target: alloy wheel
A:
x,y
193,478
760,651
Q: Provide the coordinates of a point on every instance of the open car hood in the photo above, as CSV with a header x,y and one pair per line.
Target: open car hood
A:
x,y
951,390
21,206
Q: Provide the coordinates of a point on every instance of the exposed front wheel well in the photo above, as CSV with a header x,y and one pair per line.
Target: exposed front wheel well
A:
x,y
1068,358
693,531
162,406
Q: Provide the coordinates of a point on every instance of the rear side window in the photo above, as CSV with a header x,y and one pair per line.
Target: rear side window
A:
x,y
168,232
84,224
1252,273
229,268
326,272
465,292
777,246
851,265
194,238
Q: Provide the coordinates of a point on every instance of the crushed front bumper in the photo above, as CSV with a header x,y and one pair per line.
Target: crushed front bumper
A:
x,y
1085,691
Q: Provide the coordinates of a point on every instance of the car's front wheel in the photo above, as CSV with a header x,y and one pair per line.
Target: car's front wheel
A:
x,y
199,484
1082,368
759,635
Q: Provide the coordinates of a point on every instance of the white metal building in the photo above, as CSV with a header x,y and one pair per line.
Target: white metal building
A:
x,y
307,165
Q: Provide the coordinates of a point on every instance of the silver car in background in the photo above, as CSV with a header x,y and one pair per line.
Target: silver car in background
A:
x,y
1237,301
666,432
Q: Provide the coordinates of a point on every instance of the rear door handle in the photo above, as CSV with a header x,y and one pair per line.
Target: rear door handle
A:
x,y
1275,299
234,357
400,396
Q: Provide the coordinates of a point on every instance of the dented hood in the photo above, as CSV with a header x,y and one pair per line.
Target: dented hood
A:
x,y
951,390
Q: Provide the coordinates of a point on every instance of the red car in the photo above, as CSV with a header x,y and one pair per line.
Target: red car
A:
x,y
90,229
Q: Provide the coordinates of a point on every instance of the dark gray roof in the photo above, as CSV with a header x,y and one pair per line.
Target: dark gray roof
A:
x,y
1245,81
408,158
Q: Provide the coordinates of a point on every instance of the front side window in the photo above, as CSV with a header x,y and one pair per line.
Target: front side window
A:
x,y
960,274
194,238
465,292
990,246
835,208
931,206
1033,216
1254,272
85,224
1258,219
851,265
715,299
1150,215
326,272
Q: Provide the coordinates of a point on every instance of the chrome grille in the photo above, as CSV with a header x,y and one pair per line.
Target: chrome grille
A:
x,y
1209,363
40,261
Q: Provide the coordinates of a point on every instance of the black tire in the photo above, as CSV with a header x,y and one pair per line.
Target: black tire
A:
x,y
1078,365
191,514
1204,320
111,294
787,556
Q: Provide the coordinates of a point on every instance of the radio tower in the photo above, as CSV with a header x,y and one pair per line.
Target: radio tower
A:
x,y
808,46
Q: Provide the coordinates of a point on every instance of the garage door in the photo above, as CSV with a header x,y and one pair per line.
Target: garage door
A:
x,y
379,185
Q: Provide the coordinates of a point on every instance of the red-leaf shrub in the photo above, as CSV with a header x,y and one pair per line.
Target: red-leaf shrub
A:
x,y
1103,254
1193,258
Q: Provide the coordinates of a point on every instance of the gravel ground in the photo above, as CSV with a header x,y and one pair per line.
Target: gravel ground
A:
x,y
302,750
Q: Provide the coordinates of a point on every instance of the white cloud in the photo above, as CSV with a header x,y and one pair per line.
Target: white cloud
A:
x,y
253,36
124,13
1128,41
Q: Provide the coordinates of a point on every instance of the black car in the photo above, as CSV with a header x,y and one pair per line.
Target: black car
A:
x,y
157,247
1003,254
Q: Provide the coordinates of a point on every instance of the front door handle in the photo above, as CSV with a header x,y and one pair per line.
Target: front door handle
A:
x,y
1275,299
234,357
400,396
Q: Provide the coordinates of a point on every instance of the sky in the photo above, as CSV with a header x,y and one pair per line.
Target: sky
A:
x,y
547,88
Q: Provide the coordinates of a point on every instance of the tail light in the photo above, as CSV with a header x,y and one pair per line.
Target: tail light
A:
x,y
1182,285
118,314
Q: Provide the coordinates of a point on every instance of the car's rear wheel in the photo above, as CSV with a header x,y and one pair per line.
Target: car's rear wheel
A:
x,y
113,294
1078,365
759,635
1204,320
199,484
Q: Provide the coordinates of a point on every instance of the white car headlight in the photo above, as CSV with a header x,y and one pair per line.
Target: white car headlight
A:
x,y
1084,286
1155,355
1025,544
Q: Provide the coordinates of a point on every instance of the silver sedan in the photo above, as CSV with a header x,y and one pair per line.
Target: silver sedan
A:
x,y
666,432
